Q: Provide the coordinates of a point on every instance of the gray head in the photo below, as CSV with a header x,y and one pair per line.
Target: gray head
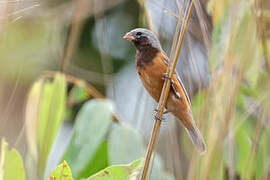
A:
x,y
143,38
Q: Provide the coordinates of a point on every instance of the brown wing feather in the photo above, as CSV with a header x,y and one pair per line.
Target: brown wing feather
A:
x,y
166,61
181,108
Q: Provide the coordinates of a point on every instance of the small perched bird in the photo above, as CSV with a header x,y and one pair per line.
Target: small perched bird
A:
x,y
151,65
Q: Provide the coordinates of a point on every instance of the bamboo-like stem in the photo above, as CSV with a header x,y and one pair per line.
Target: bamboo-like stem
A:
x,y
181,14
165,93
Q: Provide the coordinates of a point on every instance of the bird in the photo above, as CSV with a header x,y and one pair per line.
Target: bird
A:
x,y
151,65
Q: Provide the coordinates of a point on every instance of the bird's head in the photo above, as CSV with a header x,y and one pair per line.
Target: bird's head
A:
x,y
143,38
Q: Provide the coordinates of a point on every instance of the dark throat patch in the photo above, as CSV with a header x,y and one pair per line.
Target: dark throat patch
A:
x,y
145,56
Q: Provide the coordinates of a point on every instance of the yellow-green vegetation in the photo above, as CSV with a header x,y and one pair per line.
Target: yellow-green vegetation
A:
x,y
75,46
62,172
11,164
121,172
236,133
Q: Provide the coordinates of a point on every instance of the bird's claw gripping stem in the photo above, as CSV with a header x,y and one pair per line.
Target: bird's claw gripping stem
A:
x,y
157,116
165,112
166,76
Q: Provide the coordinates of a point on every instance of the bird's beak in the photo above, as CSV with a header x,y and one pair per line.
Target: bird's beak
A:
x,y
129,37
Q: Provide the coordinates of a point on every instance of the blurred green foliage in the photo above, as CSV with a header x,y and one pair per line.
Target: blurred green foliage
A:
x,y
83,145
237,138
61,172
11,163
120,172
45,116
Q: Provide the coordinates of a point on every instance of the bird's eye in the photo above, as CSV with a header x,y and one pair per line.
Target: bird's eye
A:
x,y
139,33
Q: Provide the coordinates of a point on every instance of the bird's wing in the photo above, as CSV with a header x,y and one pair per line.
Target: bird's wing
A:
x,y
166,61
182,84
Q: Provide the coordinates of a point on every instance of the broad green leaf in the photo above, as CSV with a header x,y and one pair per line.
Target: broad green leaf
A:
x,y
91,127
120,172
125,145
44,115
31,116
243,143
51,115
61,172
11,164
100,161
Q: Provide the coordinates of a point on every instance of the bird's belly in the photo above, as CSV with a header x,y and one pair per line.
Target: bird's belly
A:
x,y
154,85
151,77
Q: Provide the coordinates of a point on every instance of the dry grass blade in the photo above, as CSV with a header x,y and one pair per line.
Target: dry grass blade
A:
x,y
256,139
173,48
81,8
165,91
261,26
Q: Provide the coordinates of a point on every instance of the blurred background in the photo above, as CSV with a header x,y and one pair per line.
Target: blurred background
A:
x,y
49,117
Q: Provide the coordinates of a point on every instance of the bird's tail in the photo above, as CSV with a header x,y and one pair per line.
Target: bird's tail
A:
x,y
197,139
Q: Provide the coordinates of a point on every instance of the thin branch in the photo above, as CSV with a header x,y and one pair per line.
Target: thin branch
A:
x,y
181,14
165,93
81,7
256,142
262,33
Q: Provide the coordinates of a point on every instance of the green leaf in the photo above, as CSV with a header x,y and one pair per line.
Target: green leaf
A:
x,y
11,164
91,127
61,172
51,115
31,117
100,161
262,158
125,145
120,172
45,112
78,94
243,143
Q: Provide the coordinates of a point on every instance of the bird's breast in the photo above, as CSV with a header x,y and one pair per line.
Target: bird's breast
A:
x,y
151,74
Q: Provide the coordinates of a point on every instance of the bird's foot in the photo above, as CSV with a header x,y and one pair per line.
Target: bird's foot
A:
x,y
166,76
157,116
165,112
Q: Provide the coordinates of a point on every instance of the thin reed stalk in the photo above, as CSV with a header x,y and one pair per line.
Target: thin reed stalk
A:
x,y
165,90
256,142
81,8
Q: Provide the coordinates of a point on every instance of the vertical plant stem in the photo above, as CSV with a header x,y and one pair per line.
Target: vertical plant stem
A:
x,y
164,93
154,136
256,142
261,31
81,7
181,14
231,149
